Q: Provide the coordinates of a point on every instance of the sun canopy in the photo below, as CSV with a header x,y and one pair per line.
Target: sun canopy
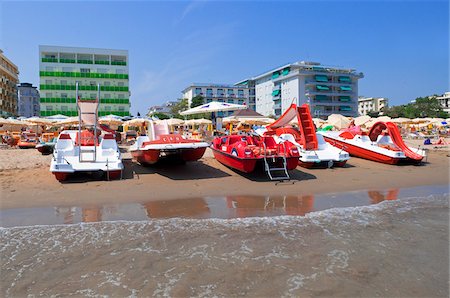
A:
x,y
213,107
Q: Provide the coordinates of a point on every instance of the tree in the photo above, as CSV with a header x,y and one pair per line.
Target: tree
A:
x,y
421,107
196,101
160,116
180,106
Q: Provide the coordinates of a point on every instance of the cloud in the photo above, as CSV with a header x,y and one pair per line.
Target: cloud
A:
x,y
193,5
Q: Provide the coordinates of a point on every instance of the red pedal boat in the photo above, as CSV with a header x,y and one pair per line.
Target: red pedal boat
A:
x,y
159,142
243,153
383,144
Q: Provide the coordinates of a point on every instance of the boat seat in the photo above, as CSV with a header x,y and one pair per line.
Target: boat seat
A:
x,y
108,145
65,143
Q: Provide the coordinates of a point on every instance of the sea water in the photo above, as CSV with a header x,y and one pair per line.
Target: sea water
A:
x,y
396,247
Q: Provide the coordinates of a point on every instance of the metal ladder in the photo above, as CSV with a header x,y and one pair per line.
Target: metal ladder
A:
x,y
88,152
268,161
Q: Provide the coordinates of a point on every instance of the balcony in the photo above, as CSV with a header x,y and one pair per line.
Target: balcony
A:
x,y
84,61
49,59
101,62
123,63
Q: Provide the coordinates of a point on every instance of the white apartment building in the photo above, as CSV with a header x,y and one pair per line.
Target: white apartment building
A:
x,y
61,67
218,92
327,89
372,104
444,100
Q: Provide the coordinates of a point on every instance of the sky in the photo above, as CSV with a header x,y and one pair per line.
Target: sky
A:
x,y
402,47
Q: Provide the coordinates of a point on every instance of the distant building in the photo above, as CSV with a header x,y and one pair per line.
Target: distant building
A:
x,y
444,100
165,109
61,67
9,78
327,89
28,100
372,104
218,92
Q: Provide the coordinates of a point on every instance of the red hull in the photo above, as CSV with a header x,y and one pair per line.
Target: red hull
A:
x,y
362,153
152,156
246,165
26,145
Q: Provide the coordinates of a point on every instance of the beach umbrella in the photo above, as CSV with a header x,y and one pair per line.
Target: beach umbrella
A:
x,y
57,117
174,121
39,121
362,120
401,120
230,119
110,120
338,121
67,121
136,122
214,106
256,120
383,119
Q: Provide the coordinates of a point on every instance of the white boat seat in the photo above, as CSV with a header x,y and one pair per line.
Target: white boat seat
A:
x,y
108,145
64,143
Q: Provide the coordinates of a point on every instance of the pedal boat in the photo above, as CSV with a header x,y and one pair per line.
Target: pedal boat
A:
x,y
159,142
314,151
243,153
87,149
46,143
382,144
27,140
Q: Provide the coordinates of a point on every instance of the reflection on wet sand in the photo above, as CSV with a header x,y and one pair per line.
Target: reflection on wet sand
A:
x,y
378,196
188,208
247,206
221,207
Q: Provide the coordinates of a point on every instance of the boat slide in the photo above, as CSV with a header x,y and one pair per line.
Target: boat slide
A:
x,y
314,150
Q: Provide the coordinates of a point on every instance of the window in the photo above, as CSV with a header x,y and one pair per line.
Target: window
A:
x,y
48,94
120,71
49,68
85,70
220,92
64,82
121,96
63,95
67,69
230,91
108,108
198,91
241,93
106,84
107,96
102,70
48,82
49,108
120,84
92,95
121,108
63,108
209,92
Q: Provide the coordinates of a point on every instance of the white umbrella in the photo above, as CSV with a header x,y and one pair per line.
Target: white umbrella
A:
x,y
362,119
57,117
136,122
67,121
383,118
401,120
174,121
256,120
214,107
39,121
230,119
338,121
110,119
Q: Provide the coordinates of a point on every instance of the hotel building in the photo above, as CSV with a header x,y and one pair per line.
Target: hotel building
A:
x,y
372,104
9,78
61,67
219,92
28,100
327,89
444,100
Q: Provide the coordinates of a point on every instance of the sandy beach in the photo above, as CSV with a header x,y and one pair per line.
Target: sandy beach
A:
x,y
26,181
379,246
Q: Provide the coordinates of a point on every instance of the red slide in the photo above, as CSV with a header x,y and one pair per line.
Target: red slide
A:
x,y
396,138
